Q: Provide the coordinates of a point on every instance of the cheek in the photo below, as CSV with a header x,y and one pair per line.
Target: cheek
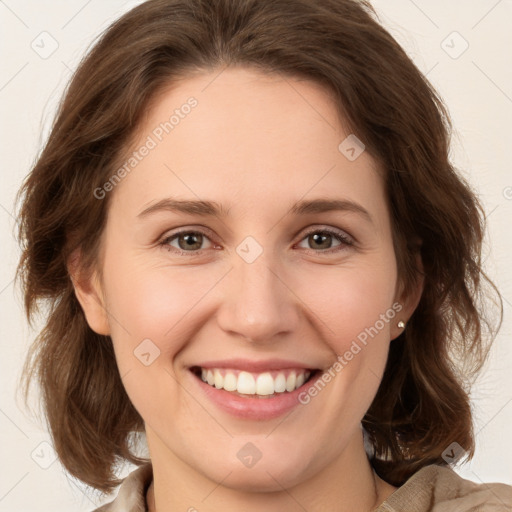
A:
x,y
148,309
352,301
152,302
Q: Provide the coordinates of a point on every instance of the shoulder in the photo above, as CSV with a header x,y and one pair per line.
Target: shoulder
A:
x,y
131,496
439,489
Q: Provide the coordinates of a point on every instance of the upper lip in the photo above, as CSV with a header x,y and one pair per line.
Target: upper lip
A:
x,y
255,366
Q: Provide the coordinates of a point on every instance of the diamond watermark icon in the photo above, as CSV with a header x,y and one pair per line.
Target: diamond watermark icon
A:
x,y
453,453
249,455
44,455
351,148
45,45
146,352
454,45
249,249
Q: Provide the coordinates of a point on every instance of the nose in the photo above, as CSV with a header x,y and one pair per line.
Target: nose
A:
x,y
257,302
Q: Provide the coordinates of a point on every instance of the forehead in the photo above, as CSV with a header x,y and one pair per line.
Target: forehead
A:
x,y
242,135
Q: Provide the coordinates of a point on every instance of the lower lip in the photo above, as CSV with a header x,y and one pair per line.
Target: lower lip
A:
x,y
252,408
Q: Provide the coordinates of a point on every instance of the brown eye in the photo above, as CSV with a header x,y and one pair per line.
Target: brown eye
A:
x,y
187,241
321,240
191,241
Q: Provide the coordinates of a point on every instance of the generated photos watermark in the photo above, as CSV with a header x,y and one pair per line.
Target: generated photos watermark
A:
x,y
151,142
343,360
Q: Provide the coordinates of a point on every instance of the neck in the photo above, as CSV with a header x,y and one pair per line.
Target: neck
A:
x,y
347,484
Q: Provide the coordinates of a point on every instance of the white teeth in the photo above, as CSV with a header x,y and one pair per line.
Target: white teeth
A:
x,y
230,382
264,384
290,381
246,384
261,384
219,381
280,383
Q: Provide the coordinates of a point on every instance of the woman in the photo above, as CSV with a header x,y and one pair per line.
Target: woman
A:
x,y
202,151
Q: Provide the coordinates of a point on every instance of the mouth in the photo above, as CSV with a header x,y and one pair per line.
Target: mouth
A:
x,y
260,385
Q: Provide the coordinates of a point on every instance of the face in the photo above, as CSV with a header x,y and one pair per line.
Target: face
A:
x,y
272,286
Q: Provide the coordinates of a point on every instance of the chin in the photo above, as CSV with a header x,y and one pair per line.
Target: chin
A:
x,y
272,476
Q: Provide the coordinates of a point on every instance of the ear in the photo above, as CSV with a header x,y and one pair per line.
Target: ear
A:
x,y
408,301
88,291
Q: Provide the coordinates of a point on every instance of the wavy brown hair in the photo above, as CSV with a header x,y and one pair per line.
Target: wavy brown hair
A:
x,y
422,405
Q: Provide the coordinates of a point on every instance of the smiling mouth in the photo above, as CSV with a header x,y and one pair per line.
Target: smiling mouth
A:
x,y
255,385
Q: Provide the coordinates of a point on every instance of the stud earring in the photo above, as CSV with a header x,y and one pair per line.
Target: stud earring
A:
x,y
401,324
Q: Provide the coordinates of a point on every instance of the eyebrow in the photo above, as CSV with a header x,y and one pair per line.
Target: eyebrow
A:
x,y
214,209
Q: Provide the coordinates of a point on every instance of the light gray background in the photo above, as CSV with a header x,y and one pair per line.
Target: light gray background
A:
x,y
476,85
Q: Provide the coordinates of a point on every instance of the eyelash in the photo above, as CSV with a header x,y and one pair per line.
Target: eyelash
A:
x,y
345,241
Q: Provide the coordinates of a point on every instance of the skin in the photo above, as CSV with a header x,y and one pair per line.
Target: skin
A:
x,y
257,144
